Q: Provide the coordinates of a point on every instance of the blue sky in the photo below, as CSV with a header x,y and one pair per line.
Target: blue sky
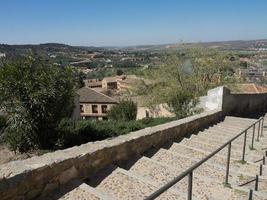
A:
x,y
131,22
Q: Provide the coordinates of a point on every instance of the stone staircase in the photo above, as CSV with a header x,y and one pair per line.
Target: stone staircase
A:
x,y
150,172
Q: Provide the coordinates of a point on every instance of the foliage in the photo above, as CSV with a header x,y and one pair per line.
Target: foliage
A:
x,y
2,122
35,96
125,110
119,72
183,76
79,132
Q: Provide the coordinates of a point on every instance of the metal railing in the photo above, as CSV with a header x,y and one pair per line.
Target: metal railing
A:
x,y
189,171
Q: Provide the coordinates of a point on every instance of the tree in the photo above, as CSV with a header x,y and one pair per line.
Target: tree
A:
x,y
125,110
183,76
119,72
35,96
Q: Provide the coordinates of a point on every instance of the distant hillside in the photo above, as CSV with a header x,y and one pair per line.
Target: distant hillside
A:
x,y
44,49
48,49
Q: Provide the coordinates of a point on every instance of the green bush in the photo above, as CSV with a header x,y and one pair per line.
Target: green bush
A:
x,y
125,110
75,133
2,122
36,95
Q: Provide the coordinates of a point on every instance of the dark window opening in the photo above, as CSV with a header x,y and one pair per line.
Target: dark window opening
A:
x,y
94,109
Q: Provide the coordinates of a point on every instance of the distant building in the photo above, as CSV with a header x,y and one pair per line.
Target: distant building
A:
x,y
2,55
110,83
126,83
252,73
93,83
94,105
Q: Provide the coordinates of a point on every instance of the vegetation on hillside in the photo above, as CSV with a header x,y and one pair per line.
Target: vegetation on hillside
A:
x,y
75,133
182,77
35,96
125,110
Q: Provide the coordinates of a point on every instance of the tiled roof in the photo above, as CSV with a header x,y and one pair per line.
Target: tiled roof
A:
x,y
249,88
88,95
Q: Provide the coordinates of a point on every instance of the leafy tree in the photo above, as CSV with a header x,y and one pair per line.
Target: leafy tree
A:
x,y
183,76
35,96
125,110
119,72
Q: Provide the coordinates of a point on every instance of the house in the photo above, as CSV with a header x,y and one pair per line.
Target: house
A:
x,y
94,105
93,83
126,83
2,55
110,83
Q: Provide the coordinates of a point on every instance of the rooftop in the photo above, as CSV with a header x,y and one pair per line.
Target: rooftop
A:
x,y
88,95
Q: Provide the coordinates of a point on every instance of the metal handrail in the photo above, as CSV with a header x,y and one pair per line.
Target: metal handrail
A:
x,y
189,171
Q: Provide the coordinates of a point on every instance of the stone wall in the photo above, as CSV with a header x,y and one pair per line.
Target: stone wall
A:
x,y
235,104
27,179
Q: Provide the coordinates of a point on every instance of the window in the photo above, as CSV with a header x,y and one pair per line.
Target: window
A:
x,y
81,109
104,108
94,109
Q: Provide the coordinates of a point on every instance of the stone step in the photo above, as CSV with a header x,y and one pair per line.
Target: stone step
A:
x,y
207,169
208,180
239,119
258,151
217,143
85,192
218,135
236,166
234,130
206,138
122,184
210,148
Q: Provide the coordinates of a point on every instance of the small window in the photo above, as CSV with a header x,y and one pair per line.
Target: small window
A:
x,y
104,108
81,109
94,109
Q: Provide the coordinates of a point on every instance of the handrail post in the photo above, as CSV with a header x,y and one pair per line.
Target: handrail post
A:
x,y
258,137
250,194
253,134
263,160
260,169
190,185
228,163
256,183
262,120
244,146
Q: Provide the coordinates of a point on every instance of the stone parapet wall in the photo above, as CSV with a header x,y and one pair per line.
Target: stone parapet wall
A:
x,y
235,104
27,179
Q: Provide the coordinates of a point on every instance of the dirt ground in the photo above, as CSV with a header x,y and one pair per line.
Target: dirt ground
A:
x,y
7,155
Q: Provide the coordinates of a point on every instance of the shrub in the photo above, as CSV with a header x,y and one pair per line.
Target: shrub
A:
x,y
2,122
79,132
35,95
125,110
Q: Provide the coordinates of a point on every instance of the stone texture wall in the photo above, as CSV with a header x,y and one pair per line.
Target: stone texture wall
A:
x,y
235,104
29,178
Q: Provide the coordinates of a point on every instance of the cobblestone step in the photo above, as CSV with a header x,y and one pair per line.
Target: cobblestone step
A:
x,y
122,185
85,192
254,154
208,179
217,135
209,169
236,166
210,148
